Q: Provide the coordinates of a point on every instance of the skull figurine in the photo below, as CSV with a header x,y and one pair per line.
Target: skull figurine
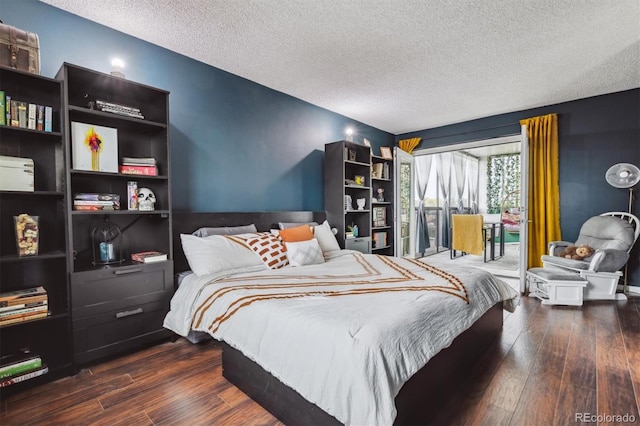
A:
x,y
146,199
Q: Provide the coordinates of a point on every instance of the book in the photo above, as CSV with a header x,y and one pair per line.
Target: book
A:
x,y
13,358
96,203
7,110
31,117
20,367
141,161
14,114
40,118
18,296
3,115
23,311
22,114
139,170
17,306
27,300
96,208
48,118
96,197
148,257
28,317
24,376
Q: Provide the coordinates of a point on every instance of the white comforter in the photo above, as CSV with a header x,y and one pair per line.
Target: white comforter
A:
x,y
346,334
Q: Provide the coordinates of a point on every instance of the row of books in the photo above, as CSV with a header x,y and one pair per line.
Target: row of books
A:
x,y
16,368
23,114
139,166
96,201
23,305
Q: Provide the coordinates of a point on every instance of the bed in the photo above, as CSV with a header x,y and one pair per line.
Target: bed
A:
x,y
342,342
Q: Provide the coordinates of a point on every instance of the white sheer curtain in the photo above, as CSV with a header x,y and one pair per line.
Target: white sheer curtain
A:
x,y
423,170
443,168
473,175
459,162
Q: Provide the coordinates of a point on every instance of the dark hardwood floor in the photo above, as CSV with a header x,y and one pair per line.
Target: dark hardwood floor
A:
x,y
549,364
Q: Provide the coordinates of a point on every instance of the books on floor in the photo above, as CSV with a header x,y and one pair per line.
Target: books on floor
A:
x,y
23,305
148,257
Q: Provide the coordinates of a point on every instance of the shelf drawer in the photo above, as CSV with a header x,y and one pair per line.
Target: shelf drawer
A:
x,y
119,330
112,289
361,244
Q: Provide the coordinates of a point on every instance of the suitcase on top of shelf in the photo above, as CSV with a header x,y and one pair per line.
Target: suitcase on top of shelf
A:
x,y
19,49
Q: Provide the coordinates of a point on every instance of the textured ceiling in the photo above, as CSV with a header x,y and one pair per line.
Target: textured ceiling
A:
x,y
399,65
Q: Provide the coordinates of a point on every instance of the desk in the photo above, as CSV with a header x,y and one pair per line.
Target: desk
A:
x,y
491,228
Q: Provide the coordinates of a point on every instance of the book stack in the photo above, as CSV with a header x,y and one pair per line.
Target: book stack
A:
x,y
19,367
118,109
23,305
96,202
379,239
148,257
139,166
23,114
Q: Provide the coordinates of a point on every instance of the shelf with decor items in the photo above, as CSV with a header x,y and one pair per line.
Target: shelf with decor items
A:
x,y
115,125
347,179
382,210
39,258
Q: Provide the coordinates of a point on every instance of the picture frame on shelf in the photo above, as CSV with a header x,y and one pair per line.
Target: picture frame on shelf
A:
x,y
385,152
94,148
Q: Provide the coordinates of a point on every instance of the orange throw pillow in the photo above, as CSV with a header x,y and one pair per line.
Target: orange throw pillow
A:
x,y
296,234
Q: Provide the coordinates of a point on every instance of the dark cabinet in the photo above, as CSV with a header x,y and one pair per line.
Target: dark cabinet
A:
x,y
120,305
48,337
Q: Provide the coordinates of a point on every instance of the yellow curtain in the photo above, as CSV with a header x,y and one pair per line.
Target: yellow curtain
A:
x,y
408,145
544,192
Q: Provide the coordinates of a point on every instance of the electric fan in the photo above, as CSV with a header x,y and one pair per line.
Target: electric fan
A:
x,y
623,175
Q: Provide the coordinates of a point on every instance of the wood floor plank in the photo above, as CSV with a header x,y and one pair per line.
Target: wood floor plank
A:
x,y
574,399
21,412
615,392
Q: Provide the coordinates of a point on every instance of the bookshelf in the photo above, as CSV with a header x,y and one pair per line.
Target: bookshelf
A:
x,y
119,305
48,337
344,163
382,217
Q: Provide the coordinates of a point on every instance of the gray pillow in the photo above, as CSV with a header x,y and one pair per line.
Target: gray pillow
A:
x,y
225,230
285,225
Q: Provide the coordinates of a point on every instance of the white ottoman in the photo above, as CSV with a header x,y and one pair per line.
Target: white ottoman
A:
x,y
555,287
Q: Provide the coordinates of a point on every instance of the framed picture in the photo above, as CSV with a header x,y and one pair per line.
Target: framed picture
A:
x,y
94,148
366,142
385,152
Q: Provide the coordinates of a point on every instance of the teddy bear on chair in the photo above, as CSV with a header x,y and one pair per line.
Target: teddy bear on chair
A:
x,y
577,252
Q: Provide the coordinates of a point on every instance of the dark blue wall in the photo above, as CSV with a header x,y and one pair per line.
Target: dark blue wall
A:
x,y
593,134
235,145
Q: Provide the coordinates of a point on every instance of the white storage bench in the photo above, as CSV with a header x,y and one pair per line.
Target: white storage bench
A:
x,y
556,287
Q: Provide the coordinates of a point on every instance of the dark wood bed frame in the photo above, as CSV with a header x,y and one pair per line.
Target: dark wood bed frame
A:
x,y
419,400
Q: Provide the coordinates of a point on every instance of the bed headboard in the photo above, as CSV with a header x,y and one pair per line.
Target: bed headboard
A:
x,y
187,222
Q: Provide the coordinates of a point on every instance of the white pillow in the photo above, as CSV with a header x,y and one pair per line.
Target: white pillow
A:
x,y
304,253
218,253
325,237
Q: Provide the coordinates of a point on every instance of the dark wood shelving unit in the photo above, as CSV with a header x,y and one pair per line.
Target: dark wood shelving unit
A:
x,y
120,306
387,185
48,337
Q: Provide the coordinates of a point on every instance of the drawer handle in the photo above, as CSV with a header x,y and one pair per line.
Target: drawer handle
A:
x,y
129,313
127,271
